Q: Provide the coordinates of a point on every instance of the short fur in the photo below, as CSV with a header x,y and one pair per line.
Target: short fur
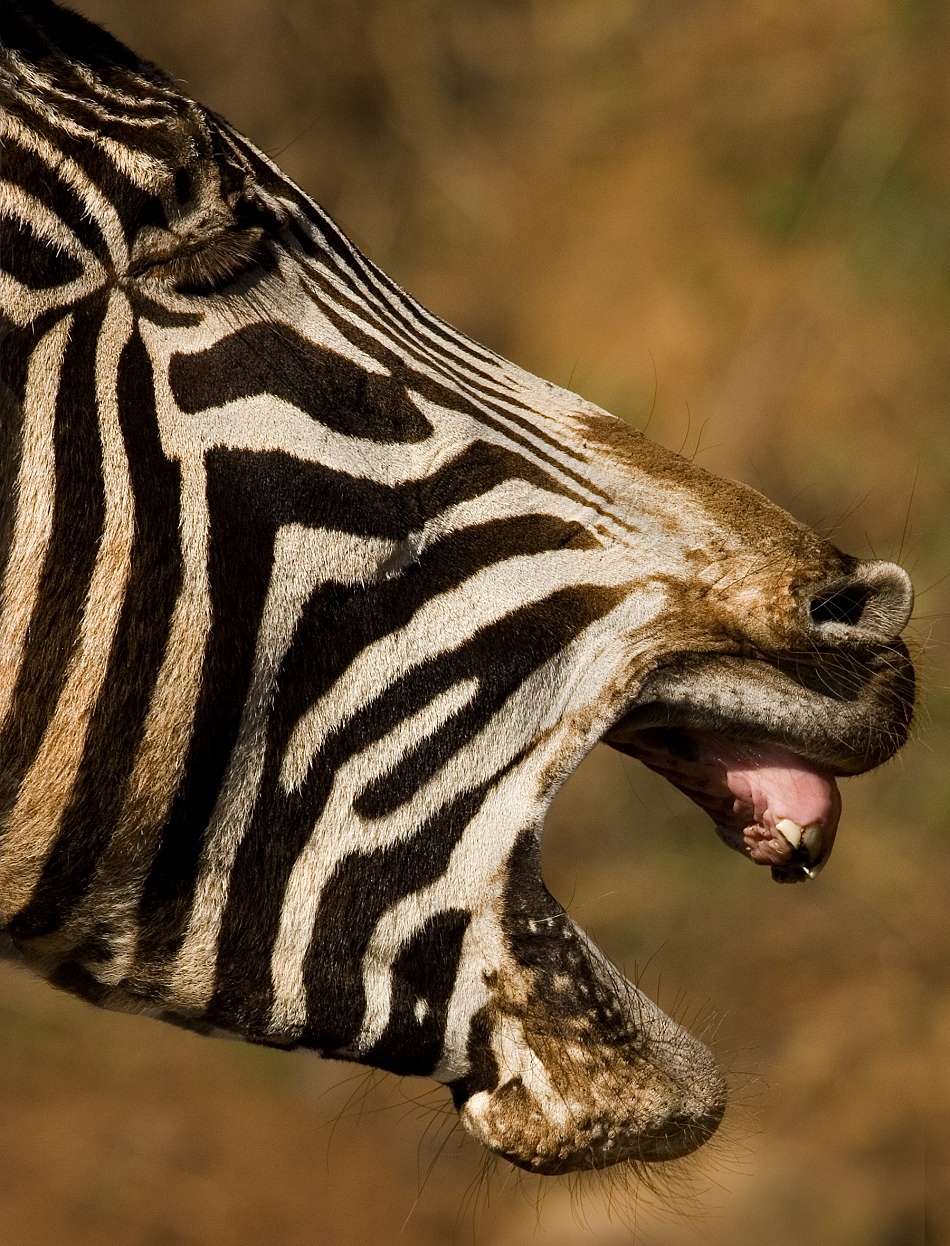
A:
x,y
310,604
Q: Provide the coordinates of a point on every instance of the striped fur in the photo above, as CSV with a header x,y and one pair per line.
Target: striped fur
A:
x,y
309,604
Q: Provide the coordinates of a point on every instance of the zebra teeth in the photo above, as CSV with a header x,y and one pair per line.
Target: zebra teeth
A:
x,y
809,838
790,831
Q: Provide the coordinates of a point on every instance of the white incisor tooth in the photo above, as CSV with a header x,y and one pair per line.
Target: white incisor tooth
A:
x,y
789,830
811,836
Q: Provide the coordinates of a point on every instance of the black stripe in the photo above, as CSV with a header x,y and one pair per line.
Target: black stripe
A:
x,y
158,313
240,556
351,257
502,655
449,334
162,142
75,978
403,330
252,495
269,358
17,344
453,397
117,724
361,889
30,172
500,676
127,200
405,335
483,1071
158,107
11,432
34,261
499,657
425,971
359,616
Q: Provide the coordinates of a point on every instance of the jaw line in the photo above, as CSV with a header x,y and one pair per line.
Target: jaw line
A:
x,y
744,698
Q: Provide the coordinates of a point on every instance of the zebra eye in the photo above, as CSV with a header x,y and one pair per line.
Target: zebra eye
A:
x,y
202,265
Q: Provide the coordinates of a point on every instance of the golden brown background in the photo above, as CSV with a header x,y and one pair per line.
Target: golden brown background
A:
x,y
744,207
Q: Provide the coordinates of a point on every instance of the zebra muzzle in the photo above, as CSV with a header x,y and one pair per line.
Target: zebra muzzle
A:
x,y
579,1069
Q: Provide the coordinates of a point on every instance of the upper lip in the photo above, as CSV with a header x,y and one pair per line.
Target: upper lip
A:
x,y
844,712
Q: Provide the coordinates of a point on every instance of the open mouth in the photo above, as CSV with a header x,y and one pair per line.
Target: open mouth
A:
x,y
765,801
757,742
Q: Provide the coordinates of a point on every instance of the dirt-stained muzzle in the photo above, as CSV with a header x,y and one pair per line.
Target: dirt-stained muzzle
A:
x,y
573,1067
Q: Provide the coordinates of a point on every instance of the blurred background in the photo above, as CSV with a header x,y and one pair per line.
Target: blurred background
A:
x,y
735,216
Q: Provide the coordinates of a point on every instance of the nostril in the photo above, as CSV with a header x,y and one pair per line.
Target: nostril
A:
x,y
877,600
844,603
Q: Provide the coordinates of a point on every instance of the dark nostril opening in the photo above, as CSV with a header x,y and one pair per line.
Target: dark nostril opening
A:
x,y
845,604
875,601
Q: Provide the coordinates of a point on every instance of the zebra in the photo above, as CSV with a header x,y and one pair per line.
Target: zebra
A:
x,y
309,606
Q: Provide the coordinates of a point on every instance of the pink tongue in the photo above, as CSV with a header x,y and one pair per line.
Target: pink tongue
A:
x,y
766,802
777,785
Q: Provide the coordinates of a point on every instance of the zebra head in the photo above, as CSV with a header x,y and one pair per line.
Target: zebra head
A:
x,y
310,604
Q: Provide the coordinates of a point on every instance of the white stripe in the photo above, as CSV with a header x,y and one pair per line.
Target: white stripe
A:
x,y
18,205
146,171
441,625
339,832
580,666
36,487
579,671
99,208
160,760
302,558
44,794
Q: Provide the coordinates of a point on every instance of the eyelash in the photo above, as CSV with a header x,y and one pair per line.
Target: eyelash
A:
x,y
207,265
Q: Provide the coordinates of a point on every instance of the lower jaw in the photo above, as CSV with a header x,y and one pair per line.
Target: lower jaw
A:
x,y
516,1125
655,1147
